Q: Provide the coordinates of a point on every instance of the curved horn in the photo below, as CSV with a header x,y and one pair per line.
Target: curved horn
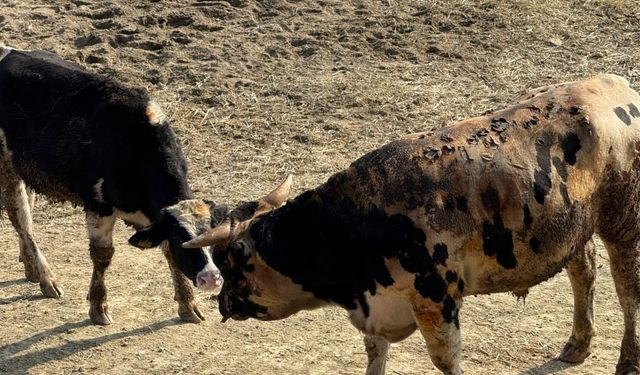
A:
x,y
279,194
213,236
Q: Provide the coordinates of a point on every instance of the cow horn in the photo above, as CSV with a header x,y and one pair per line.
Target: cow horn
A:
x,y
279,194
213,236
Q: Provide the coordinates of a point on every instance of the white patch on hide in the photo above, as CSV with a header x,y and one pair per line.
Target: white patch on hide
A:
x,y
100,229
390,316
137,218
155,114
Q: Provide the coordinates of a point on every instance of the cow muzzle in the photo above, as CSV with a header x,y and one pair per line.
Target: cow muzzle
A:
x,y
208,279
226,307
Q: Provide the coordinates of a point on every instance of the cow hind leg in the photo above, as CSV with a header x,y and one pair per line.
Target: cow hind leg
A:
x,y
101,250
377,349
187,307
619,227
30,271
16,202
625,267
439,325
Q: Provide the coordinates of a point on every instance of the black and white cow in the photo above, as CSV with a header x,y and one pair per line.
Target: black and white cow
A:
x,y
491,204
79,137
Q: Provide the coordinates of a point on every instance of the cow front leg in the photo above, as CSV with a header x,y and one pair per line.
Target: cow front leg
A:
x,y
183,292
101,250
36,268
582,274
377,349
439,325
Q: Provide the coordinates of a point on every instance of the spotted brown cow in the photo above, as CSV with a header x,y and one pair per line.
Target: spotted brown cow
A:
x,y
496,203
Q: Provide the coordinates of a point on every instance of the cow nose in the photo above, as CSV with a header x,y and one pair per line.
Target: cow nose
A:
x,y
208,280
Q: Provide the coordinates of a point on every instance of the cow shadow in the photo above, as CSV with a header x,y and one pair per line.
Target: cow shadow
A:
x,y
8,283
27,297
8,300
550,367
13,362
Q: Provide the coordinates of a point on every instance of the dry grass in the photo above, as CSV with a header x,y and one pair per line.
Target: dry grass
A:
x,y
305,86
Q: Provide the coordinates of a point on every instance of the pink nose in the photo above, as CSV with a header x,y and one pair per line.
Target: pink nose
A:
x,y
209,280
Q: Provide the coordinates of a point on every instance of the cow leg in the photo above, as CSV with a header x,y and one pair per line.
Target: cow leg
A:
x,y
377,349
439,325
101,250
625,267
16,202
582,274
187,307
30,271
31,198
618,225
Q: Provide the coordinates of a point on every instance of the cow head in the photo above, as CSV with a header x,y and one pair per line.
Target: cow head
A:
x,y
251,289
182,222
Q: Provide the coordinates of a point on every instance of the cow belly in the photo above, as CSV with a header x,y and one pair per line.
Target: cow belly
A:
x,y
496,279
536,253
44,183
26,164
389,316
482,275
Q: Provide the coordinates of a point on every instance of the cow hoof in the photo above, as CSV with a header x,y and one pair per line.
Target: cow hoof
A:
x,y
50,289
190,314
99,318
573,353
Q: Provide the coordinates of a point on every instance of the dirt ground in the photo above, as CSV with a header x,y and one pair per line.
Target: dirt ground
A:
x,y
259,89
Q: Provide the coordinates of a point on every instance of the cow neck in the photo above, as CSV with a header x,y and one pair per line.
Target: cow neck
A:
x,y
166,169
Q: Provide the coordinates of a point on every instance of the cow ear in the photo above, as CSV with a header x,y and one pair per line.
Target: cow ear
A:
x,y
218,213
279,194
150,236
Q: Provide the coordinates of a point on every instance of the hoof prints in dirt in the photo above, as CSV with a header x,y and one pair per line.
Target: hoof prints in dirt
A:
x,y
87,40
107,25
100,14
130,40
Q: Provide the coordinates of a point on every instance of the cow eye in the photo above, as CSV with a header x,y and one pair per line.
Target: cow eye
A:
x,y
221,258
238,256
237,249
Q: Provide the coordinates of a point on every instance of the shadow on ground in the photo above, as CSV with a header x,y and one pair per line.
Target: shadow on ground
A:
x,y
8,283
550,367
12,362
